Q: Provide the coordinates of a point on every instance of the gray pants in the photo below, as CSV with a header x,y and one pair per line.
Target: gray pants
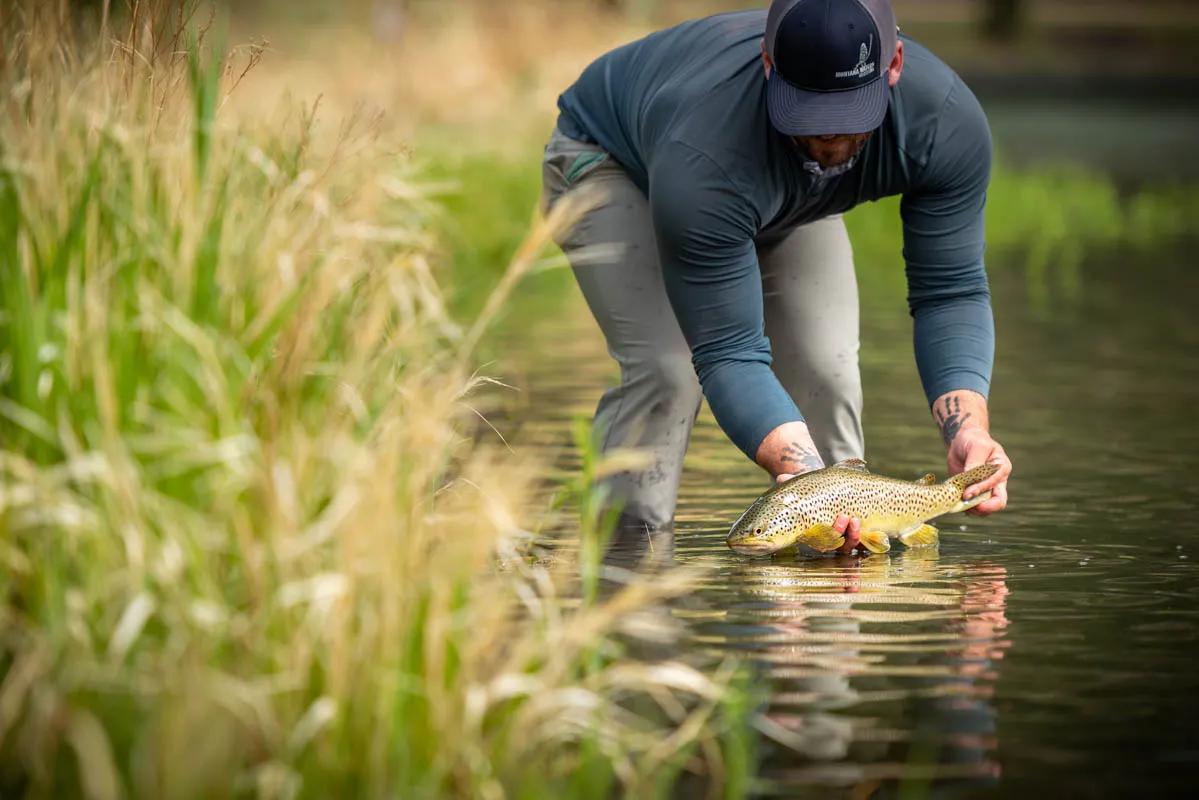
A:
x,y
811,307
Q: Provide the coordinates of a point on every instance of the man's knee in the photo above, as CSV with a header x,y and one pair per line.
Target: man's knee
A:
x,y
830,375
670,380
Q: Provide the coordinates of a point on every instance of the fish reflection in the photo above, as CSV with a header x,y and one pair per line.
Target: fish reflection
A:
x,y
880,669
845,643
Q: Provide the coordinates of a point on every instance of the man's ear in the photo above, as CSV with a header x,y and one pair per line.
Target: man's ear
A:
x,y
767,64
896,68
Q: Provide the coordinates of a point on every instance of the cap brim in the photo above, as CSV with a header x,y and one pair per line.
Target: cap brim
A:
x,y
798,112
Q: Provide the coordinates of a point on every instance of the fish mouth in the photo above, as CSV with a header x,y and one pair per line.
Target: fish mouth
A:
x,y
754,547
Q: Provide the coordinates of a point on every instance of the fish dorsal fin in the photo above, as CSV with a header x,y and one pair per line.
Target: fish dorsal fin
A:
x,y
928,480
852,463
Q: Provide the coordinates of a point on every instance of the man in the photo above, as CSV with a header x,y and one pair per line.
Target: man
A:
x,y
726,149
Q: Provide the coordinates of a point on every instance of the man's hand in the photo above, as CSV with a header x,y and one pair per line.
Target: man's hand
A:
x,y
963,420
972,448
787,451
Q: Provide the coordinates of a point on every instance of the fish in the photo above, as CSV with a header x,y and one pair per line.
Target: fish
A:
x,y
801,510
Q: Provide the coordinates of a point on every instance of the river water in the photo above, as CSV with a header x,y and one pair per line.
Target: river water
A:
x,y
1048,649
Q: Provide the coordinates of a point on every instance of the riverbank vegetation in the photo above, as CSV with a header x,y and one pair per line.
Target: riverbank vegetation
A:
x,y
249,541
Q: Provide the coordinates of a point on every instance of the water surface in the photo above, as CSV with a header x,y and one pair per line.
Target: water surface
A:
x,y
1050,648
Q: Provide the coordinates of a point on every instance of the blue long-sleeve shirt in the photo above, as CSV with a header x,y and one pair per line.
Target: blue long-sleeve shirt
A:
x,y
684,112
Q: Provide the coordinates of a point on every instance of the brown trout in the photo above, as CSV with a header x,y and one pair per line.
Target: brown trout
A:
x,y
802,510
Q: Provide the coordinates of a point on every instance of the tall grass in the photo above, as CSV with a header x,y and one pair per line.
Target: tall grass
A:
x,y
248,542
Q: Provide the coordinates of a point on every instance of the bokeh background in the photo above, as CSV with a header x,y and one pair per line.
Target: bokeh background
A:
x,y
295,476
1095,88
496,66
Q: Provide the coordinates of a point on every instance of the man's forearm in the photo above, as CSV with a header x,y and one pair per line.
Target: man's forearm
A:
x,y
789,449
958,410
954,344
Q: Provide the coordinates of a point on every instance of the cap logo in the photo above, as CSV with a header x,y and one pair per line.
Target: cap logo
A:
x,y
864,66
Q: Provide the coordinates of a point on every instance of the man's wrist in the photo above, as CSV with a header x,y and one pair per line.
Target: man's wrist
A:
x,y
958,411
789,449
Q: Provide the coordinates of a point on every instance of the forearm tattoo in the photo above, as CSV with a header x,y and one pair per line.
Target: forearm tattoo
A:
x,y
804,457
950,418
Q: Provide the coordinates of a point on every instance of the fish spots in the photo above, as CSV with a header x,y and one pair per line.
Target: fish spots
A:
x,y
782,515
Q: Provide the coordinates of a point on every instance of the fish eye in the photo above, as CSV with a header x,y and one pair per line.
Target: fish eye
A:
x,y
757,530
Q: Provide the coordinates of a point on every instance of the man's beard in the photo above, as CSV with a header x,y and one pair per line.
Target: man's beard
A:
x,y
832,154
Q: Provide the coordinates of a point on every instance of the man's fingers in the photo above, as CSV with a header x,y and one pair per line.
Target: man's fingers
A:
x,y
982,486
997,502
851,528
786,476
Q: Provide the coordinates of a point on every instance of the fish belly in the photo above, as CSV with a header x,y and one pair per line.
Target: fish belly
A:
x,y
890,524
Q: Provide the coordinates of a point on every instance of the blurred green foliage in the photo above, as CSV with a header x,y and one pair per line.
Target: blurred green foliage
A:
x,y
1045,221
488,201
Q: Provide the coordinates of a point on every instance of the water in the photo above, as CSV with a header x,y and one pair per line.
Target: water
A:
x,y
1132,141
1048,648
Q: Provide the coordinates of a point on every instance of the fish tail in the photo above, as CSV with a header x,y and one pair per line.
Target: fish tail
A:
x,y
973,476
969,478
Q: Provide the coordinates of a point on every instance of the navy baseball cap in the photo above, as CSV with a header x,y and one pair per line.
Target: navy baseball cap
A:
x,y
830,63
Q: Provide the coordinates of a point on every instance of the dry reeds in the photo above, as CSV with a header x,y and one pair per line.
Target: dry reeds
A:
x,y
247,544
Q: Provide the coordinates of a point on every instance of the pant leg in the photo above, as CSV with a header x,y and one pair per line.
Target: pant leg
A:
x,y
615,260
811,307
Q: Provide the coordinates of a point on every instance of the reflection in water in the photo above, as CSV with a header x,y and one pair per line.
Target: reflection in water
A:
x,y
841,640
847,645
902,671
634,545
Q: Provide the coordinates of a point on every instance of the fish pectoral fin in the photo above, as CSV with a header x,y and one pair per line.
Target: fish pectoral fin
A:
x,y
822,537
928,480
921,536
876,541
852,463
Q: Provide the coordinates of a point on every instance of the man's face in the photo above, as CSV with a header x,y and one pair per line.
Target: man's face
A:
x,y
832,150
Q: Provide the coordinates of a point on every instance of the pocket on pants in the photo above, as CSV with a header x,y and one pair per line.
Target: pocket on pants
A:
x,y
566,163
582,165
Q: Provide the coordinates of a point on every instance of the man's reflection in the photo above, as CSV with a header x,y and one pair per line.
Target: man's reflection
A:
x,y
635,545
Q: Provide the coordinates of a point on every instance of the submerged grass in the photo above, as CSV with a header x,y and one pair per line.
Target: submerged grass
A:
x,y
249,545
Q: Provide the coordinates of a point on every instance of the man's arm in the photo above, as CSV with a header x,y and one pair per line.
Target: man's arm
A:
x,y
704,224
705,239
953,333
787,451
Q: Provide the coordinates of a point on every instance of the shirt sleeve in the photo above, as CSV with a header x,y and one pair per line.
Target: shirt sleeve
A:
x,y
943,232
704,227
